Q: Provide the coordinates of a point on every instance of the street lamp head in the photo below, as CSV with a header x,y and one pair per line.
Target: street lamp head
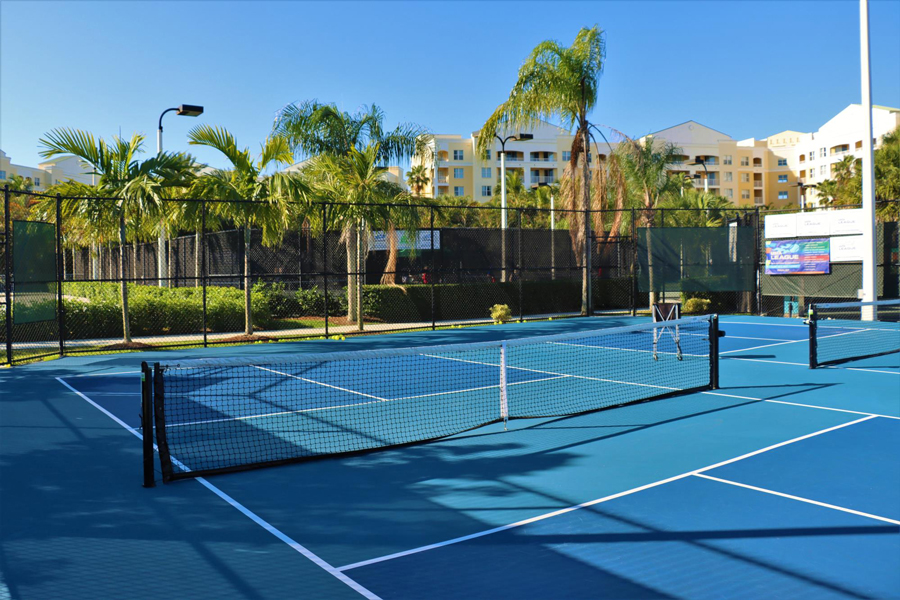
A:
x,y
190,110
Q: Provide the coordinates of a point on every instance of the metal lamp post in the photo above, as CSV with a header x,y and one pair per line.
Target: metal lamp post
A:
x,y
186,110
503,221
802,187
702,163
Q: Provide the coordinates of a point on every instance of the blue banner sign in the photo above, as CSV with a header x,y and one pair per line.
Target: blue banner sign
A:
x,y
798,257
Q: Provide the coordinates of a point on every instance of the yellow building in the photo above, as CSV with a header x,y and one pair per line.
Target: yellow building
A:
x,y
46,173
747,172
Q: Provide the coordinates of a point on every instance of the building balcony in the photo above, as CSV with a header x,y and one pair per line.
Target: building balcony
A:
x,y
758,184
442,180
542,179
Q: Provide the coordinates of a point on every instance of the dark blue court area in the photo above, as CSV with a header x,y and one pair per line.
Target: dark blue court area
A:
x,y
783,482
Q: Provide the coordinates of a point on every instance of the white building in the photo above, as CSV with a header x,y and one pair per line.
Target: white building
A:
x,y
46,173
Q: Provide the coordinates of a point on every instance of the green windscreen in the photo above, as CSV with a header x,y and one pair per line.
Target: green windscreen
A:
x,y
696,259
34,272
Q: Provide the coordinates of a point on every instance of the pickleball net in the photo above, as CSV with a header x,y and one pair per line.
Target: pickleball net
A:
x,y
844,331
220,415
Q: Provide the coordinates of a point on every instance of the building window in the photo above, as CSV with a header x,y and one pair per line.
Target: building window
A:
x,y
812,155
782,162
745,177
726,160
782,179
745,194
567,155
782,195
728,176
458,173
486,173
488,156
457,155
37,182
2,174
745,161
485,190
822,170
822,153
729,193
459,190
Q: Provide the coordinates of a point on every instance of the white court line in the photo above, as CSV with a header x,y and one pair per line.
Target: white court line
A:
x,y
761,324
103,374
843,410
795,364
328,385
626,349
244,510
821,337
592,502
799,498
478,362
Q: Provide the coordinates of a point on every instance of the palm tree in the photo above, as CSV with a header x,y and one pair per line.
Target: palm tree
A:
x,y
246,196
316,129
131,190
417,178
558,81
358,195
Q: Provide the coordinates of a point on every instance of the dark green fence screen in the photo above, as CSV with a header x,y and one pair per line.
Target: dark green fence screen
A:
x,y
696,259
34,272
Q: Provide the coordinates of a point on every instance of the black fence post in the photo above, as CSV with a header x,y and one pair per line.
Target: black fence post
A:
x,y
60,309
147,423
433,272
519,264
325,262
7,242
757,261
633,277
202,274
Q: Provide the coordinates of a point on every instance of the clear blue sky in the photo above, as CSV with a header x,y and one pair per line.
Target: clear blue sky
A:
x,y
748,69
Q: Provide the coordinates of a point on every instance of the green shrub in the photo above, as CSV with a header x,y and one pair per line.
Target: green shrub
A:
x,y
696,306
500,313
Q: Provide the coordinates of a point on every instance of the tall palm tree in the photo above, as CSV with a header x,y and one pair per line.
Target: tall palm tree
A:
x,y
131,190
248,197
359,196
417,178
558,81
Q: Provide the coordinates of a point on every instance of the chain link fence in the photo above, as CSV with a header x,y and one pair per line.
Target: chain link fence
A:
x,y
229,285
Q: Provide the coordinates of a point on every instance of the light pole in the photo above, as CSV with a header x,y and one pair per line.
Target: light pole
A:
x,y
186,110
699,162
520,136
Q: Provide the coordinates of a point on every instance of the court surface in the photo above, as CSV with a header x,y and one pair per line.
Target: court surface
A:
x,y
784,482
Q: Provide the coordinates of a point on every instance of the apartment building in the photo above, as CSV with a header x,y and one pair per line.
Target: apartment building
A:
x,y
747,172
46,173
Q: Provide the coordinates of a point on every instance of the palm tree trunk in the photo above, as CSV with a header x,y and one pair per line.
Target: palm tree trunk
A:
x,y
134,259
390,270
248,316
95,261
352,257
123,286
585,206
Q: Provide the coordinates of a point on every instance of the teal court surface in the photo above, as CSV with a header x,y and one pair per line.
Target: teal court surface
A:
x,y
783,482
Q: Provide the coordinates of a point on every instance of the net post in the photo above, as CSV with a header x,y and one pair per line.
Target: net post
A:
x,y
714,352
60,272
7,253
813,340
519,263
504,404
433,274
147,423
202,273
159,418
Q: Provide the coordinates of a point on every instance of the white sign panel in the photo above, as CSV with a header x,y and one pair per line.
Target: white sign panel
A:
x,y
813,224
847,222
421,241
781,226
848,248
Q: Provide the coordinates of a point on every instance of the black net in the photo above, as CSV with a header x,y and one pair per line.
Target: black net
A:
x,y
224,415
850,330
